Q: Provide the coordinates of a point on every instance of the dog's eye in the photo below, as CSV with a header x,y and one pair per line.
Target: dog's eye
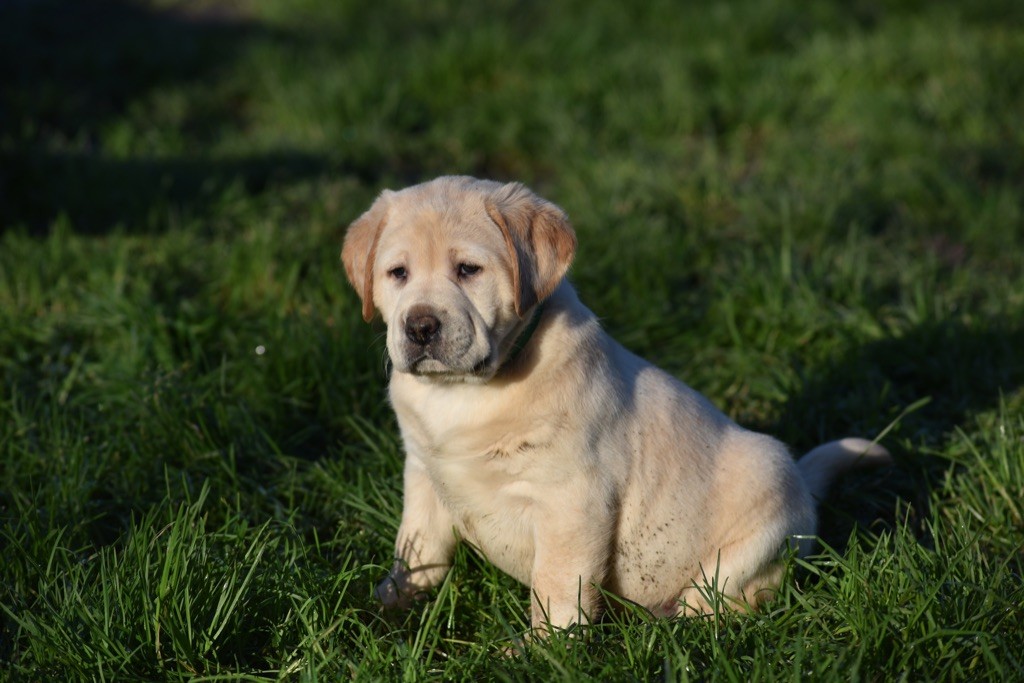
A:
x,y
467,270
399,273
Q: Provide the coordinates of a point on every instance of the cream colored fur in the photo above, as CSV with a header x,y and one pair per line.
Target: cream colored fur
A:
x,y
569,463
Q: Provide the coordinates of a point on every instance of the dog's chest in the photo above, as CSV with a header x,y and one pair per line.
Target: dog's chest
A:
x,y
493,510
489,468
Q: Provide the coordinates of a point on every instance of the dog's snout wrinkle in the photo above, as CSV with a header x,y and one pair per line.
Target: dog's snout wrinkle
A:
x,y
421,326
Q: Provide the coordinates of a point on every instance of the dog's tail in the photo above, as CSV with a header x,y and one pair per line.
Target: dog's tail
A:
x,y
822,465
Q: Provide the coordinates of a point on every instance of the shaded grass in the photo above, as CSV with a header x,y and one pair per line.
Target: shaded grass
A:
x,y
809,212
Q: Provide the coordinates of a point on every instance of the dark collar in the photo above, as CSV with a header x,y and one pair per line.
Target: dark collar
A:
x,y
525,336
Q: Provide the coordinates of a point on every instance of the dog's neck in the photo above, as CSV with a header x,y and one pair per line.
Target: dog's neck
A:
x,y
523,338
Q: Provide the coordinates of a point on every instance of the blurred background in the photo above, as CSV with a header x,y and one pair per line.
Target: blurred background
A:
x,y
878,139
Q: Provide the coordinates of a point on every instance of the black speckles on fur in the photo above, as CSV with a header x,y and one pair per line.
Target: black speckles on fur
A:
x,y
502,453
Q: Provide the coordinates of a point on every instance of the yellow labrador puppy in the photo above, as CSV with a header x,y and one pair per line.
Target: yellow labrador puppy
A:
x,y
564,459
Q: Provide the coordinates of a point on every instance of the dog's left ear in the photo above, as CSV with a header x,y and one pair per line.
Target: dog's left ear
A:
x,y
540,241
360,250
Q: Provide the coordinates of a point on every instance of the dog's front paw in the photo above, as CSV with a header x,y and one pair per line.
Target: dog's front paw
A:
x,y
389,595
394,593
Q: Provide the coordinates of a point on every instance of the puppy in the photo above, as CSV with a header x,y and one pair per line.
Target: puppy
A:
x,y
529,433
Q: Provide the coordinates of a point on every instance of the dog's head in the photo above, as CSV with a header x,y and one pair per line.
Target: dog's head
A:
x,y
455,266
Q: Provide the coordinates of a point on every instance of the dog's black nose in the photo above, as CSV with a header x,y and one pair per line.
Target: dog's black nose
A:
x,y
421,328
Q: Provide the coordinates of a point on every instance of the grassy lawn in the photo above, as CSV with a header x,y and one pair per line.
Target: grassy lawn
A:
x,y
811,211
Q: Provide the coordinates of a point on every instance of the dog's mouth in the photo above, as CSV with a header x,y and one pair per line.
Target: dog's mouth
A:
x,y
428,366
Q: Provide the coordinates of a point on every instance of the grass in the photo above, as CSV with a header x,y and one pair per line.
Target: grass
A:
x,y
811,212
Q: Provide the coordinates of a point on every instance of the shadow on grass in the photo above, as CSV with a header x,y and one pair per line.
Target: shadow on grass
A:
x,y
962,370
137,195
72,68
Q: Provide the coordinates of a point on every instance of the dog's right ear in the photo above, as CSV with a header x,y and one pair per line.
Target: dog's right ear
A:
x,y
360,250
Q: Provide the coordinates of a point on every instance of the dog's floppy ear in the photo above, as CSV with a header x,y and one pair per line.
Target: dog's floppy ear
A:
x,y
360,250
540,241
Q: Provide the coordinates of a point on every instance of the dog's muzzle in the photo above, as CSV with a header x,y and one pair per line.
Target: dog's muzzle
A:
x,y
432,342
